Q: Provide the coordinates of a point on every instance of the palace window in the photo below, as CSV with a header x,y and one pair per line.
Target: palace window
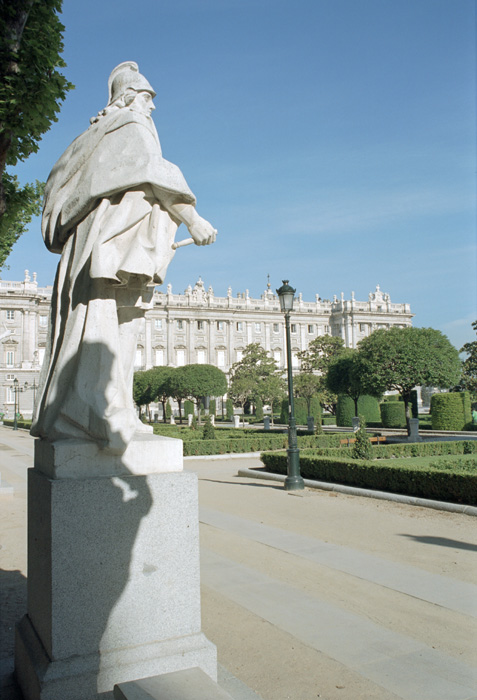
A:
x,y
201,357
180,325
293,328
180,358
240,326
311,328
258,328
158,324
43,321
220,325
10,314
10,358
220,358
276,327
200,325
239,355
159,357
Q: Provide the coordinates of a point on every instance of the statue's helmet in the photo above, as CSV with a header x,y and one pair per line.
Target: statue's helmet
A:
x,y
125,77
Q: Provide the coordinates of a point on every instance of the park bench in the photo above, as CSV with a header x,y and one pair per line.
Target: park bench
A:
x,y
379,440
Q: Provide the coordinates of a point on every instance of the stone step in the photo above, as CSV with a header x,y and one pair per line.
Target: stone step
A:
x,y
190,684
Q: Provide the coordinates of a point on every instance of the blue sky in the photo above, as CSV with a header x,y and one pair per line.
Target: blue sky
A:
x,y
330,142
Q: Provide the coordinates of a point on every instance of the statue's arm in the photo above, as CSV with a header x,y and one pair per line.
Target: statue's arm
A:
x,y
201,230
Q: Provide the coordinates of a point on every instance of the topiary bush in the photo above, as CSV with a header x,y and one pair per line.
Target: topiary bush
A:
x,y
447,411
229,409
188,408
168,411
301,411
212,407
393,414
368,407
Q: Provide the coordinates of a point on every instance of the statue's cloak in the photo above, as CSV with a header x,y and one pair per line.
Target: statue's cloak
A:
x,y
106,212
118,153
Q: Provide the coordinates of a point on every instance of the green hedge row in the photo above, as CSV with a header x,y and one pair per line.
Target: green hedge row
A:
x,y
454,486
368,407
20,423
425,449
249,444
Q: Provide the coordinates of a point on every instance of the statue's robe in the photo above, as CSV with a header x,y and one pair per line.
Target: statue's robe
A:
x,y
105,212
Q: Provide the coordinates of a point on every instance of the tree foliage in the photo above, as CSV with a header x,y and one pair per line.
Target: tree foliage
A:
x,y
316,359
469,367
401,358
307,385
344,377
31,90
255,376
203,380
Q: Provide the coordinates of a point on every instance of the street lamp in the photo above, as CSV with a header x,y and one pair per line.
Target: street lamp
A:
x,y
15,395
294,481
16,391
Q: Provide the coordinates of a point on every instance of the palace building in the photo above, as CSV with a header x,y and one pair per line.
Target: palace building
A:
x,y
194,327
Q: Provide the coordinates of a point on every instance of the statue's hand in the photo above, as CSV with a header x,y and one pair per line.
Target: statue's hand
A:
x,y
202,232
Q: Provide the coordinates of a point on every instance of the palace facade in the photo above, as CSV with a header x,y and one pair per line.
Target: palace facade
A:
x,y
194,327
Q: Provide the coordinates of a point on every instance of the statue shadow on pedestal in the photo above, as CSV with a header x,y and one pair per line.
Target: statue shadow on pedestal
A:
x,y
94,525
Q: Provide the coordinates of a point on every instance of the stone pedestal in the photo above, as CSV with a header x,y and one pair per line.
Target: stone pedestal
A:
x,y
266,422
236,421
310,424
414,430
113,572
355,423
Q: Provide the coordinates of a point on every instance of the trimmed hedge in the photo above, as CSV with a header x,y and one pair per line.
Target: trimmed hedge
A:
x,y
393,414
21,423
450,411
368,406
248,444
457,486
301,411
425,449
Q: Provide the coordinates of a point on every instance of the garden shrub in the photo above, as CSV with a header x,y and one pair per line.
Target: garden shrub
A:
x,y
368,407
362,446
301,411
212,407
458,485
229,409
208,432
259,410
447,411
188,408
393,414
168,410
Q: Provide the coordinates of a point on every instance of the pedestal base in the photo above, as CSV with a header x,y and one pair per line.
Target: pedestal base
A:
x,y
113,583
93,677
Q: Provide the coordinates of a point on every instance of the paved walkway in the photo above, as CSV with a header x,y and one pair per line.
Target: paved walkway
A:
x,y
310,595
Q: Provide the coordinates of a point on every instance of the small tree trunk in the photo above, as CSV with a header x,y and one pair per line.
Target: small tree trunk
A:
x,y
179,403
356,406
198,411
163,401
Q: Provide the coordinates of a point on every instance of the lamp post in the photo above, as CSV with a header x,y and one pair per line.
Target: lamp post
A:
x,y
294,481
16,391
15,395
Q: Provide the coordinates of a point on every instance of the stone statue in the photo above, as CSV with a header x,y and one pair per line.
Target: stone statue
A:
x,y
112,207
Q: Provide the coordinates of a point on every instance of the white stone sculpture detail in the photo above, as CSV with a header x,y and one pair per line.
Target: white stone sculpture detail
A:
x,y
112,207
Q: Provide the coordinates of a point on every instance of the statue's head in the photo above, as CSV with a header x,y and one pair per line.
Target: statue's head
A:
x,y
125,80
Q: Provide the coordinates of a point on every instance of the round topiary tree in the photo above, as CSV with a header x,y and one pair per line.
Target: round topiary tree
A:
x,y
448,411
393,414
